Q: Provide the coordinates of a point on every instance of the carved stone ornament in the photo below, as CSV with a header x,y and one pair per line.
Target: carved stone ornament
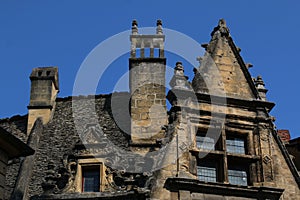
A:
x,y
59,181
267,159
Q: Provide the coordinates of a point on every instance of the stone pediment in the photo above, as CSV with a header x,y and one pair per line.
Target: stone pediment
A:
x,y
92,135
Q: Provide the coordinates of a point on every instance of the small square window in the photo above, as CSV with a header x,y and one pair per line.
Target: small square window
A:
x,y
237,176
209,139
235,145
91,178
207,172
205,142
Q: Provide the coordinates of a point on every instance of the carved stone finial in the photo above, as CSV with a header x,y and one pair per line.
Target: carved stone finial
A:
x,y
260,86
259,81
222,23
179,66
158,22
179,80
134,22
134,28
159,27
221,29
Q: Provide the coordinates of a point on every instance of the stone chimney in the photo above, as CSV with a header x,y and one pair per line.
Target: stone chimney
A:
x,y
147,86
44,88
284,135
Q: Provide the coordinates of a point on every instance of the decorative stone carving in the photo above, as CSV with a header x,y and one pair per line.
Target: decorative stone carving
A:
x,y
49,184
267,159
92,135
221,29
62,179
179,80
159,27
67,174
134,28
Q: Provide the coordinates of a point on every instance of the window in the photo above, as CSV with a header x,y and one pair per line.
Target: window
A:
x,y
91,178
207,172
237,176
205,142
235,145
208,140
231,158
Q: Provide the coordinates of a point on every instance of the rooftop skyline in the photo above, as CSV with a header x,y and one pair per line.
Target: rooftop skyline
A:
x,y
48,33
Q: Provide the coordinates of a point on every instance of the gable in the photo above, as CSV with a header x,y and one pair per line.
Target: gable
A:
x,y
222,68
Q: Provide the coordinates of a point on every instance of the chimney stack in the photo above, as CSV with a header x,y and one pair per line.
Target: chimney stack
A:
x,y
44,88
147,86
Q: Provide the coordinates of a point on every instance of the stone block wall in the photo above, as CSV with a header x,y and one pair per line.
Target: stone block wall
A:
x,y
148,99
3,164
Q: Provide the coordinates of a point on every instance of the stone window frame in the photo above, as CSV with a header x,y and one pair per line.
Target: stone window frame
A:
x,y
89,162
224,159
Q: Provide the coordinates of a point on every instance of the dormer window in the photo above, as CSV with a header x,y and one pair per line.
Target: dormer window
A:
x,y
91,178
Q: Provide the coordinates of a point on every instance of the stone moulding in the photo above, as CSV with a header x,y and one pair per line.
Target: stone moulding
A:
x,y
96,195
196,186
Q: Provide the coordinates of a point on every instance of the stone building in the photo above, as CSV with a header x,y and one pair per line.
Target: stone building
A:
x,y
292,146
10,148
217,141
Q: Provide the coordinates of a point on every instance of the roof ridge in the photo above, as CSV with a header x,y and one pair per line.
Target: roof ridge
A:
x,y
96,96
13,118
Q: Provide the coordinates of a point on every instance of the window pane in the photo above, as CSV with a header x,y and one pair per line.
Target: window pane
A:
x,y
235,145
207,173
90,179
205,142
237,177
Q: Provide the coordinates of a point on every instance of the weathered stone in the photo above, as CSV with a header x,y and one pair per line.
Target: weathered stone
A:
x,y
150,153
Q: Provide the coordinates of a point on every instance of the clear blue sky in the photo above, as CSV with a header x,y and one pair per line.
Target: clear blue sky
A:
x,y
62,33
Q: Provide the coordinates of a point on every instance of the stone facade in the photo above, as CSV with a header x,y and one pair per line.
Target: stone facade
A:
x,y
217,141
293,147
10,148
